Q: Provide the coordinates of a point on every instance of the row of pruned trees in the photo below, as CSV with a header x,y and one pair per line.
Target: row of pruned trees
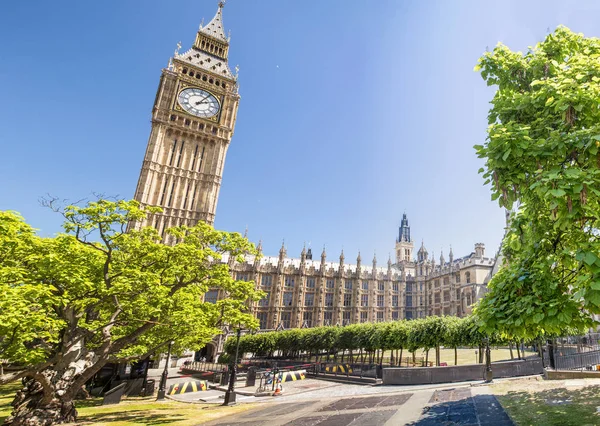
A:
x,y
368,342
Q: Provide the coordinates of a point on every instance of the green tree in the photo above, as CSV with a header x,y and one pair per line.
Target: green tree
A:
x,y
542,159
96,294
455,335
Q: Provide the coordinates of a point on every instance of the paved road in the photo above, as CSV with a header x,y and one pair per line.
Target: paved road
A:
x,y
461,406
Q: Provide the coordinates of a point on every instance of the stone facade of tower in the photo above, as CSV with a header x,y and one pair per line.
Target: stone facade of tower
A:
x,y
193,119
302,292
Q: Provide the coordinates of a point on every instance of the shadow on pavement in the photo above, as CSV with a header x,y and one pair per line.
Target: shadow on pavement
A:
x,y
484,410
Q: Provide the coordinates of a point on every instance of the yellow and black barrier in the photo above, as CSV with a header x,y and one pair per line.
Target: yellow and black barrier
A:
x,y
185,387
292,376
338,368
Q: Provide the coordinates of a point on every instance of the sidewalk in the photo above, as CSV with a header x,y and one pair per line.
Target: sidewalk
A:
x,y
466,405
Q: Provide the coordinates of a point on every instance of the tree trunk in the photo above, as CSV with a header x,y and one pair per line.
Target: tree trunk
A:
x,y
32,408
426,358
400,359
437,355
480,354
518,351
455,356
511,351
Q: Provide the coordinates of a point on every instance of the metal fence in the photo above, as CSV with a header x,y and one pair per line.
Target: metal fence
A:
x,y
575,352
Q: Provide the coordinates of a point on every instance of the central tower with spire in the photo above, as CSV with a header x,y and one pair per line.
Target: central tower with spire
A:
x,y
404,244
193,119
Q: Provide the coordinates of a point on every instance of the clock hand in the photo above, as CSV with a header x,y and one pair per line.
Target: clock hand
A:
x,y
202,101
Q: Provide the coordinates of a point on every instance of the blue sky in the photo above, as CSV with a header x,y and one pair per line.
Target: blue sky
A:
x,y
352,112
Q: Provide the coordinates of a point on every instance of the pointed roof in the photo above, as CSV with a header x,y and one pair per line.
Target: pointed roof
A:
x,y
215,27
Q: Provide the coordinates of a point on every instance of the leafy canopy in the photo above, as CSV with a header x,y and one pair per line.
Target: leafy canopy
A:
x,y
118,294
542,160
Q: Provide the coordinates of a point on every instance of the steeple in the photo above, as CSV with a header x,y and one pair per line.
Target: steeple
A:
x,y
259,248
210,49
215,27
404,232
451,255
404,244
342,257
442,260
323,255
358,260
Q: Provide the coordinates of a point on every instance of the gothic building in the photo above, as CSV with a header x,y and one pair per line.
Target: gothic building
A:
x,y
303,292
193,119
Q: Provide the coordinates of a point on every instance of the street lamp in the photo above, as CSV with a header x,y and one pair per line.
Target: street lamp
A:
x,y
163,379
230,394
488,361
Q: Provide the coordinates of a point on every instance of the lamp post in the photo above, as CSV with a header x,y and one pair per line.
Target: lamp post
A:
x,y
165,374
488,361
230,394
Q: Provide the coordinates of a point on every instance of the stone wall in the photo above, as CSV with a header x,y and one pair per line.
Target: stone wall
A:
x,y
459,373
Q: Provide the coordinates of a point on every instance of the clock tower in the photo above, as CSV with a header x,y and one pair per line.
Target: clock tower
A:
x,y
193,119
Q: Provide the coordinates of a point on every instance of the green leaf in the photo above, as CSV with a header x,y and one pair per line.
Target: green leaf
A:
x,y
549,100
590,258
557,192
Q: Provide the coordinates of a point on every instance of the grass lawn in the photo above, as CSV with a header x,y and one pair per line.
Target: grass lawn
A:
x,y
135,411
552,402
465,356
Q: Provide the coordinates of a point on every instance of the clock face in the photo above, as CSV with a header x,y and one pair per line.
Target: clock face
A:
x,y
199,102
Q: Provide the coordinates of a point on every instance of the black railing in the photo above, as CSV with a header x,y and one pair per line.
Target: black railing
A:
x,y
578,361
577,352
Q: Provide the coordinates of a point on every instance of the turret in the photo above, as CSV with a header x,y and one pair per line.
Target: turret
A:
x,y
422,253
323,258
282,252
303,260
451,255
374,265
479,250
258,256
